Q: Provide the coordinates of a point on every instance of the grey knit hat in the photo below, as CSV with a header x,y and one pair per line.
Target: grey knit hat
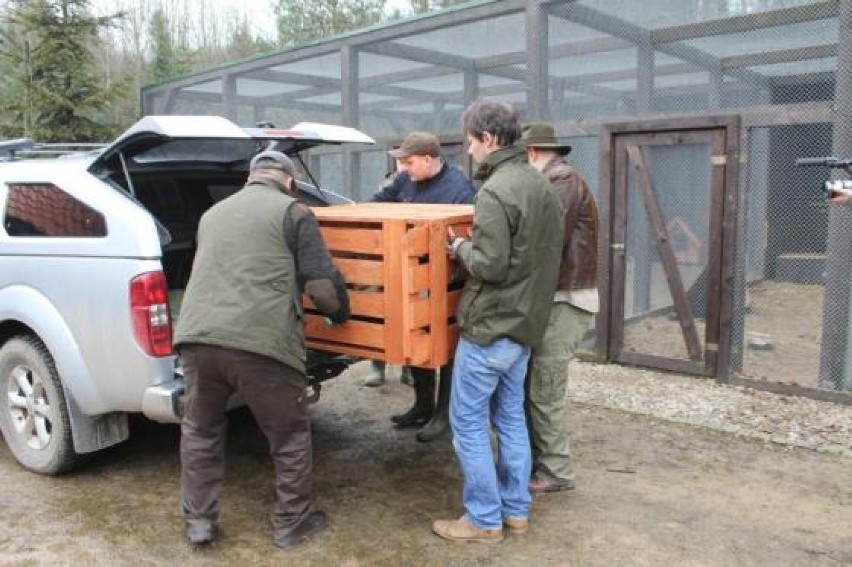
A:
x,y
271,159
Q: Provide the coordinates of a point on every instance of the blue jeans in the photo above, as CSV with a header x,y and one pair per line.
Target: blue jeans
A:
x,y
489,382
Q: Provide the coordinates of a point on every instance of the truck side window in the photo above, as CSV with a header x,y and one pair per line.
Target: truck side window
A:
x,y
43,209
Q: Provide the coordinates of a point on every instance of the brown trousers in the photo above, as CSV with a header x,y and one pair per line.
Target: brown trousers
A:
x,y
275,394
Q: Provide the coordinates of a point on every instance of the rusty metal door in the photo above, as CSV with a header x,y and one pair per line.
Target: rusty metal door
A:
x,y
669,241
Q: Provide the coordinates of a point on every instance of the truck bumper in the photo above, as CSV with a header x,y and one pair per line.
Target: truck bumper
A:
x,y
163,402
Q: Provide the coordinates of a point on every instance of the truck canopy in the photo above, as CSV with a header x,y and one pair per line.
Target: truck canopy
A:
x,y
156,142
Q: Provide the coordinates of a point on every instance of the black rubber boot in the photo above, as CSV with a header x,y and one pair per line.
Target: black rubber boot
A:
x,y
440,422
424,400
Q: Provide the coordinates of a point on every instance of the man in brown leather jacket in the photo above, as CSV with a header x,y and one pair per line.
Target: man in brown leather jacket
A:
x,y
574,306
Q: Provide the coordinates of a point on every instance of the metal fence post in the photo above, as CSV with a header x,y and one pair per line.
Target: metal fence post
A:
x,y
836,355
537,72
349,77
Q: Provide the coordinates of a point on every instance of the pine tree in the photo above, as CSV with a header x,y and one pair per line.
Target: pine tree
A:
x,y
169,61
16,98
64,97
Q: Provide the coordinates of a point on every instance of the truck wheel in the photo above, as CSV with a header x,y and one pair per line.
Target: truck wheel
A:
x,y
33,412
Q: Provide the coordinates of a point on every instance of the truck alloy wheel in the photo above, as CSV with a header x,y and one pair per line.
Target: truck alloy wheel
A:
x,y
33,413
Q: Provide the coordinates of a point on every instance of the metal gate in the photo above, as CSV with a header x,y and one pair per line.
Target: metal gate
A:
x,y
669,196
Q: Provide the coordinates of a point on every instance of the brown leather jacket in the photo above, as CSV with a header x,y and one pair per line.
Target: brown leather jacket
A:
x,y
579,268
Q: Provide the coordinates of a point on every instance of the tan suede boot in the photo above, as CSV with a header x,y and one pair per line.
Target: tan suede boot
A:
x,y
516,525
463,530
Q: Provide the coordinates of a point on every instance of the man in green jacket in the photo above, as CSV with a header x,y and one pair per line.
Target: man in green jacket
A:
x,y
512,257
241,330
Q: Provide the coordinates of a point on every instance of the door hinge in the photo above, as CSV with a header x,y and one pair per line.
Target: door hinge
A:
x,y
718,160
619,247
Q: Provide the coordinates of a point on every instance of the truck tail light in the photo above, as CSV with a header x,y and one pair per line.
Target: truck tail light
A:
x,y
150,314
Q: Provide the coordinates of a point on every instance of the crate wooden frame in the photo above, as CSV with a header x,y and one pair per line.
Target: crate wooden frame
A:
x,y
394,259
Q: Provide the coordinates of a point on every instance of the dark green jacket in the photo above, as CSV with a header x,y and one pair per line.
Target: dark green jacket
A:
x,y
245,289
513,254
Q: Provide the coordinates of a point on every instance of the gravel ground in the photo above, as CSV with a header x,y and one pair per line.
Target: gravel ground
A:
x,y
786,420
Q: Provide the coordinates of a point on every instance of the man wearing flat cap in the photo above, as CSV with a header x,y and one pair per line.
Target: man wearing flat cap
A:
x,y
423,177
241,330
574,305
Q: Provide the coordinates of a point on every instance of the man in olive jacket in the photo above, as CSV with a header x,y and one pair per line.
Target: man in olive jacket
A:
x,y
574,305
241,330
512,257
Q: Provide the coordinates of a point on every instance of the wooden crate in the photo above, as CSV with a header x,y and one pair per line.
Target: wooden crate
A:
x,y
399,277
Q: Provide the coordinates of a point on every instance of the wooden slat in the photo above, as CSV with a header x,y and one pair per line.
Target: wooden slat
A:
x,y
421,346
438,276
418,241
377,212
343,348
673,122
419,277
396,291
352,332
421,313
671,364
667,255
361,304
367,304
361,272
356,240
731,246
617,256
674,138
714,256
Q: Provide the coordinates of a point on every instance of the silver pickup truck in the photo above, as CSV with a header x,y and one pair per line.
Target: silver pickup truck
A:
x,y
95,250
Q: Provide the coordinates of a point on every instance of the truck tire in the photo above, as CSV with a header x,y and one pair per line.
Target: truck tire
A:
x,y
33,413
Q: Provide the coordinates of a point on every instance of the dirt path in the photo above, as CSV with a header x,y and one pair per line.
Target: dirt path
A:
x,y
649,493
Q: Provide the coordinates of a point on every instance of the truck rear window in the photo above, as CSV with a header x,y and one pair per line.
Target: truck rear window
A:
x,y
43,209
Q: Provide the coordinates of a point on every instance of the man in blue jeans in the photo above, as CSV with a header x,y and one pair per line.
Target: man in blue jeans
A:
x,y
512,257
